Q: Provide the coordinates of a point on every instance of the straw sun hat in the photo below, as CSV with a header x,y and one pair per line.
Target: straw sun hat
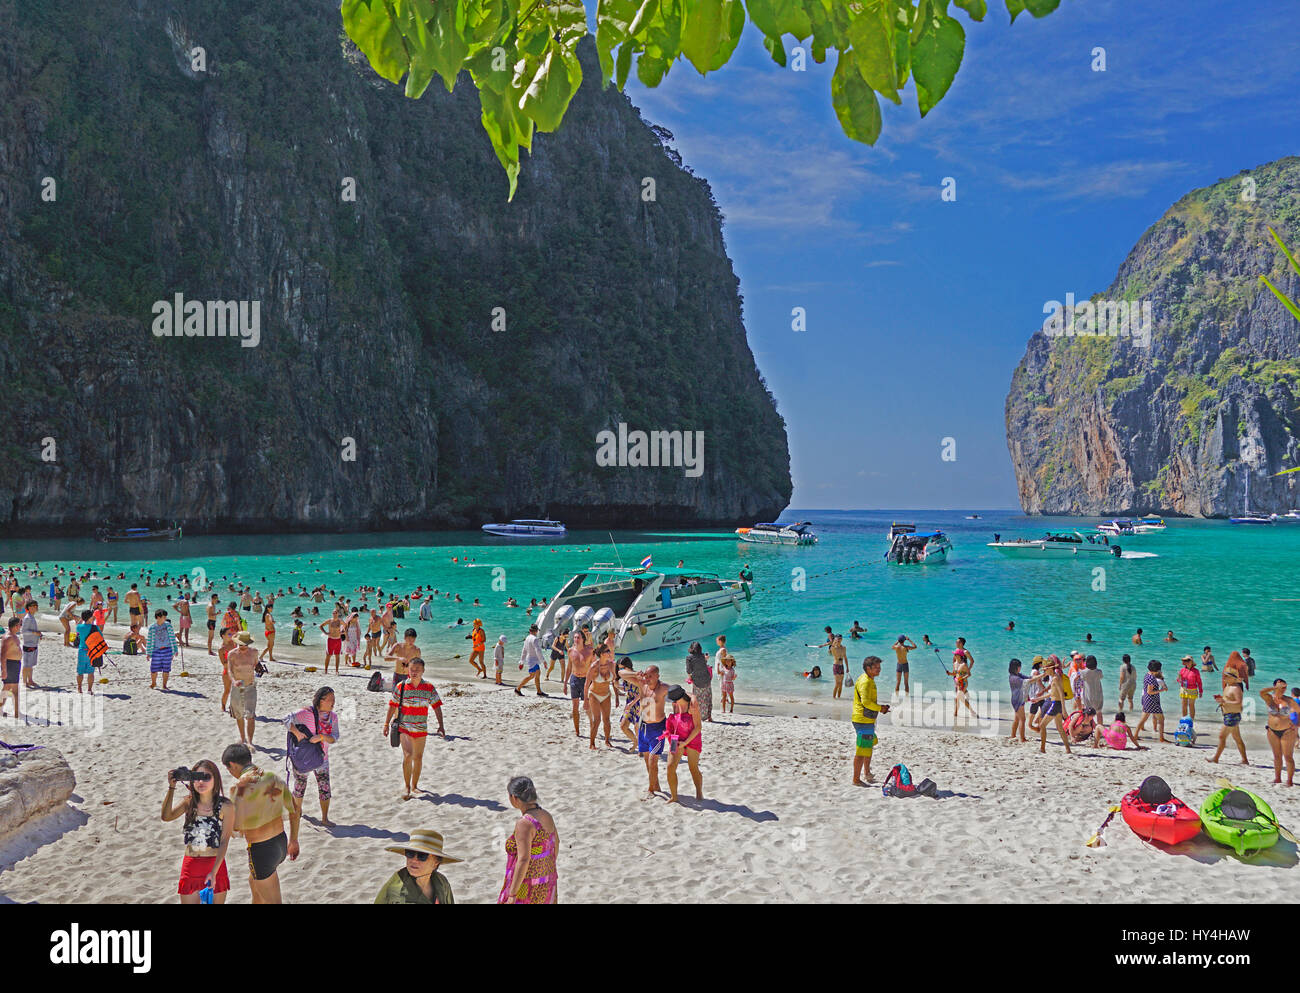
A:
x,y
424,841
244,638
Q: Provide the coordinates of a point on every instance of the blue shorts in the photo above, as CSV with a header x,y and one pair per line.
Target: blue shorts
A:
x,y
1231,720
648,740
534,668
865,737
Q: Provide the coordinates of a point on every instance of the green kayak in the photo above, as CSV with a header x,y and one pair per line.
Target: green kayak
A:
x,y
1240,820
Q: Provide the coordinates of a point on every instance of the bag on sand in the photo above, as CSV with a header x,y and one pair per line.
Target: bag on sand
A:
x,y
899,784
376,683
1186,733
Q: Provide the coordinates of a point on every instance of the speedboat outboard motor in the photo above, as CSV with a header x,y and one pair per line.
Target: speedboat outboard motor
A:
x,y
582,616
601,621
561,624
1116,551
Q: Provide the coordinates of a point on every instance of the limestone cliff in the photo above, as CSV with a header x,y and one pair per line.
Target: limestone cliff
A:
x,y
1103,425
227,182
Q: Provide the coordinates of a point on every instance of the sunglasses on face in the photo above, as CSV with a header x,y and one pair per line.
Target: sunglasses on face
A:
x,y
418,856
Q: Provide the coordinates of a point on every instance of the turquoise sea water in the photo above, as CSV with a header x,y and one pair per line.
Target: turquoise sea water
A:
x,y
1209,581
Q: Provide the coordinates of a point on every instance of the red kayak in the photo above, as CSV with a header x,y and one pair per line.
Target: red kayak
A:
x,y
1170,829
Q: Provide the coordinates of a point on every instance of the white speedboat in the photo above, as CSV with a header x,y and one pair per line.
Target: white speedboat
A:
x,y
1055,544
646,608
1152,522
909,546
527,529
779,534
1119,526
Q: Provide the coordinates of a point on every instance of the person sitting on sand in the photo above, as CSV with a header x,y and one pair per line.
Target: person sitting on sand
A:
x,y
1116,735
866,709
1230,702
1153,684
411,702
1082,725
419,881
262,801
683,734
209,823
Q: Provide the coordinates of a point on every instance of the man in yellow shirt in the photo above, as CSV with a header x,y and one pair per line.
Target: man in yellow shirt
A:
x,y
865,711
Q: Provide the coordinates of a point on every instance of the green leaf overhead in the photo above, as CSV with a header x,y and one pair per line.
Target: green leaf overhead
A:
x,y
522,54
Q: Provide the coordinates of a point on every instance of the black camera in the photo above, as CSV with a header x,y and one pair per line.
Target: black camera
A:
x,y
184,775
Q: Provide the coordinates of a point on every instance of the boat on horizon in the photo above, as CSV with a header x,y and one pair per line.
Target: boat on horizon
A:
x,y
908,546
1056,544
779,534
1151,522
645,608
170,532
527,529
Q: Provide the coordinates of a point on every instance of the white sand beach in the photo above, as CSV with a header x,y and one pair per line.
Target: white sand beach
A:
x,y
781,821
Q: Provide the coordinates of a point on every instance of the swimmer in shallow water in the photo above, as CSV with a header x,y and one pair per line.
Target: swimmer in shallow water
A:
x,y
814,673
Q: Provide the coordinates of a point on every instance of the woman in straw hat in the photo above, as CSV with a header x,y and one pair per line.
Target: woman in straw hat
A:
x,y
420,881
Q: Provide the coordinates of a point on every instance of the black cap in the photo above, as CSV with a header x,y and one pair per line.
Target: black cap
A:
x,y
676,693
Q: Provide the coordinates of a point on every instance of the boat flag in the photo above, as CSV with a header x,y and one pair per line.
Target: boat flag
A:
x,y
645,562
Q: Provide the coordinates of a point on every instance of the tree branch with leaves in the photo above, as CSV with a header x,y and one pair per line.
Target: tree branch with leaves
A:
x,y
522,56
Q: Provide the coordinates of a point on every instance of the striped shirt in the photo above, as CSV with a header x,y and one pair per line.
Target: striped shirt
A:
x,y
415,701
161,636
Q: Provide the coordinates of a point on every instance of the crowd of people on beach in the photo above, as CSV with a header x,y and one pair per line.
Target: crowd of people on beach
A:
x,y
1069,698
662,722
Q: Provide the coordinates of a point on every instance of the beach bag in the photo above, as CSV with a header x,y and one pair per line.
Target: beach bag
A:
x,y
1067,691
376,684
395,732
305,756
1186,733
96,648
898,783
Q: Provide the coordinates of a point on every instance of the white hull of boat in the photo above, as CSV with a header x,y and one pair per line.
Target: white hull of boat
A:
x,y
770,538
524,531
1049,549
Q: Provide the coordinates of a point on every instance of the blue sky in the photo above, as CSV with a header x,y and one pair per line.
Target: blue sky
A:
x,y
919,310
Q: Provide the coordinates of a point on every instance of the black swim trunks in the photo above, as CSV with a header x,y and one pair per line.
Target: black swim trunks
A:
x,y
212,624
264,857
13,671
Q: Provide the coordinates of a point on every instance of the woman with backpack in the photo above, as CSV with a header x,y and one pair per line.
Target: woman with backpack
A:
x,y
318,726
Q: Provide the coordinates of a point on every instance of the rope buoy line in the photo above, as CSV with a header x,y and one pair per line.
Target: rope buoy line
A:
x,y
819,575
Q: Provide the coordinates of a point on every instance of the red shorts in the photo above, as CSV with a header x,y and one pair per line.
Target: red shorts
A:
x,y
194,871
333,646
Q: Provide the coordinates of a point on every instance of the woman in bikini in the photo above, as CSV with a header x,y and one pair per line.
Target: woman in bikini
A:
x,y
268,628
533,878
600,687
209,821
1280,731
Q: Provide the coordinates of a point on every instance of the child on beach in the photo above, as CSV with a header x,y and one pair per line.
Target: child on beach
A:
x,y
1190,688
499,658
727,674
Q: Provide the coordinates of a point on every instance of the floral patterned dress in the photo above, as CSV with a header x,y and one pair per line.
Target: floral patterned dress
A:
x,y
541,885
